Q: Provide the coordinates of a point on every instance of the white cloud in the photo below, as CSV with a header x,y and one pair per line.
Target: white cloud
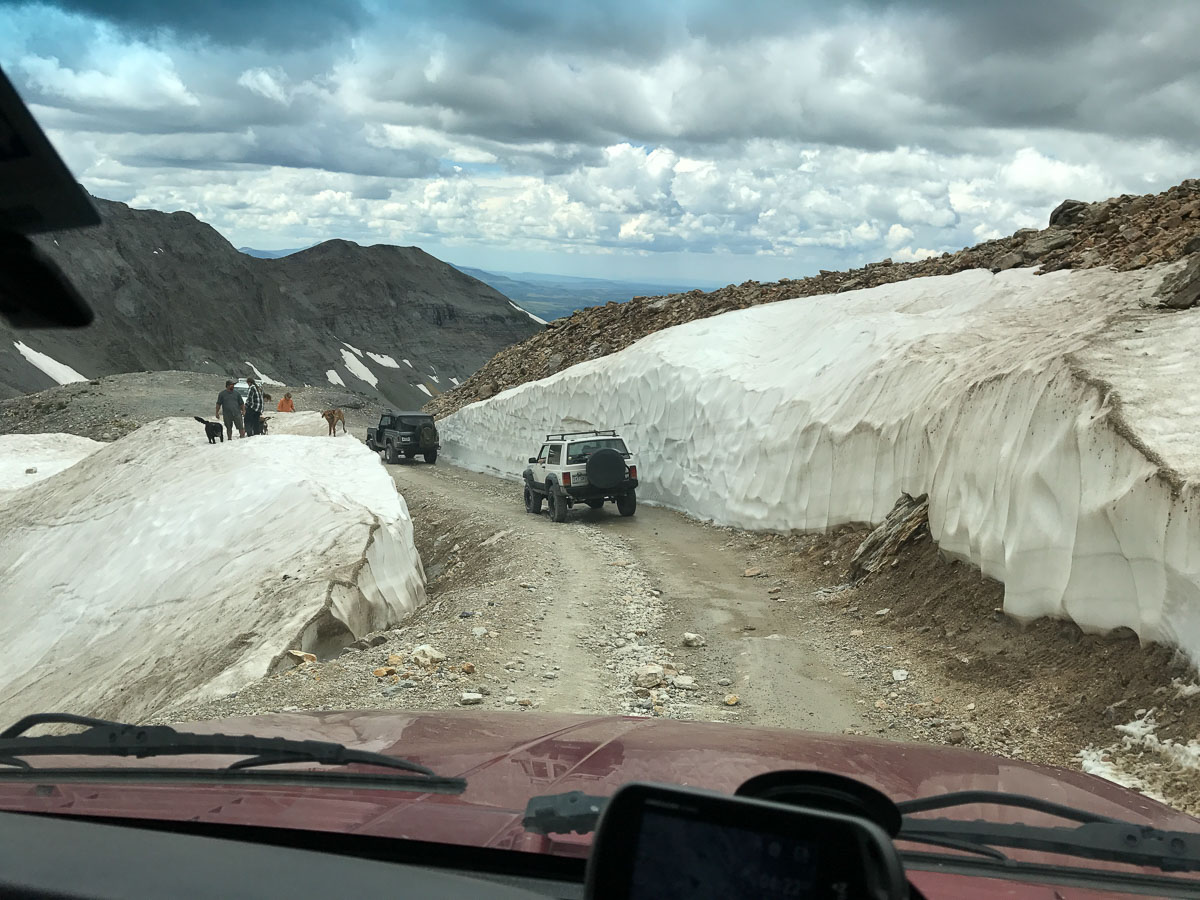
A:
x,y
269,83
795,141
897,235
135,78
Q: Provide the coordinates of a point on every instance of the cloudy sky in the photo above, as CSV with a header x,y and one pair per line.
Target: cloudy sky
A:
x,y
695,140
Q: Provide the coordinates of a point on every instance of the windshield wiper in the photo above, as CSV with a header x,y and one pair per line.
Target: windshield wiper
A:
x,y
1096,837
105,738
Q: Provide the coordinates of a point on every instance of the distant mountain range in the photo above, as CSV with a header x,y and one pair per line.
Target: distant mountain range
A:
x,y
171,293
553,296
269,254
550,296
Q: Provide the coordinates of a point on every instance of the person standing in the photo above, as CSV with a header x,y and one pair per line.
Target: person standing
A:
x,y
229,406
254,408
286,404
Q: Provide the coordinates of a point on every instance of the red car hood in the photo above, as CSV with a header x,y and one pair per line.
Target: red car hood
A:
x,y
508,757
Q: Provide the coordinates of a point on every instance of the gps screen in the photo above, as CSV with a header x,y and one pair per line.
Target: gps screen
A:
x,y
681,857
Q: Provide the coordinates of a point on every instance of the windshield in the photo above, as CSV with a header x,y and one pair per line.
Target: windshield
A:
x,y
888,310
579,451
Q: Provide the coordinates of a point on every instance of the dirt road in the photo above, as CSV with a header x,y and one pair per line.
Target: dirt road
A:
x,y
610,594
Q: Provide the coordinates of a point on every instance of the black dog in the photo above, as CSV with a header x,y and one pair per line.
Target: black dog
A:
x,y
212,429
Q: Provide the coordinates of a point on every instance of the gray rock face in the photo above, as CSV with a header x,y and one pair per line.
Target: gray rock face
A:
x,y
1181,290
170,293
1050,239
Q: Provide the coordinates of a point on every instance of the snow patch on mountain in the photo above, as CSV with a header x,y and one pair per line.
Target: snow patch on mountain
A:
x,y
358,368
60,372
1049,419
384,360
527,312
263,379
334,378
227,557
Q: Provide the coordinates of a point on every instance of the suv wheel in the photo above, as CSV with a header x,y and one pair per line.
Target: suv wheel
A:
x,y
533,500
390,454
430,456
596,504
558,504
627,504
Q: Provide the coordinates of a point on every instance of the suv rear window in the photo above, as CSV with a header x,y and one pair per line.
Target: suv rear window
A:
x,y
416,421
579,451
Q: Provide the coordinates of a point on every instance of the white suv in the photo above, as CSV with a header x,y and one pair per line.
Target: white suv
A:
x,y
581,467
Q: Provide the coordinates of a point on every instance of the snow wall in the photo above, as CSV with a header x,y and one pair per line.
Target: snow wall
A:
x,y
1051,419
161,570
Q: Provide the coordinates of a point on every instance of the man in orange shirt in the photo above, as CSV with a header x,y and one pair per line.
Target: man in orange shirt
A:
x,y
286,404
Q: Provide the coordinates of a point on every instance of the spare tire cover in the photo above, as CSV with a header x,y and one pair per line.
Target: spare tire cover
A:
x,y
606,468
428,436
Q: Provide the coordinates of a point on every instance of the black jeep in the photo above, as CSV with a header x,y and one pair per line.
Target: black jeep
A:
x,y
409,433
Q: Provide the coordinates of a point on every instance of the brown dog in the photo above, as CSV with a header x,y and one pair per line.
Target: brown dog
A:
x,y
333,416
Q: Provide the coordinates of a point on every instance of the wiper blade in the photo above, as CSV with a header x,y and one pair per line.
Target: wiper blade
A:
x,y
1124,842
105,738
999,798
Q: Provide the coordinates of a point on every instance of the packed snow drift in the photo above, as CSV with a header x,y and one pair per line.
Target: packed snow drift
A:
x,y
1051,420
44,454
160,569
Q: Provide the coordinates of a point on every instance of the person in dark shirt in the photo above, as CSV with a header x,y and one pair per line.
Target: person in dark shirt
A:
x,y
254,408
229,405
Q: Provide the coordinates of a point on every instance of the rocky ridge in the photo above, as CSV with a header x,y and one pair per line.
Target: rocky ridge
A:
x,y
1126,232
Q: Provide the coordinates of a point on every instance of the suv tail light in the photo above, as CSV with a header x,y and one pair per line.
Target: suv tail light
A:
x,y
566,476
633,471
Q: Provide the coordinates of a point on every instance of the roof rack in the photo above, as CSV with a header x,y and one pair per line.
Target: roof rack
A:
x,y
563,435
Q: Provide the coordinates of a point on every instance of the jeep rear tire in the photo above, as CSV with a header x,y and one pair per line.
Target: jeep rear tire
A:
x,y
606,469
558,504
390,454
430,456
627,504
596,504
533,500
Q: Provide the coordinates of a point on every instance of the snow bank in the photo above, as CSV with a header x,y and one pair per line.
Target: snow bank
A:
x,y
1049,418
48,453
309,423
162,570
60,372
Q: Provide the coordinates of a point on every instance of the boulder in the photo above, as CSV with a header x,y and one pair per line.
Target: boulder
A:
x,y
1181,290
648,676
1008,261
426,655
1068,213
1048,240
